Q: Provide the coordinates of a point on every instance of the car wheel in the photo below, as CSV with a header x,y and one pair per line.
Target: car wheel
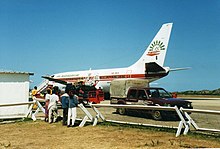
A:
x,y
121,111
156,115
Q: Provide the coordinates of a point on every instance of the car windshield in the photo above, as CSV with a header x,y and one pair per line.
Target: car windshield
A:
x,y
158,93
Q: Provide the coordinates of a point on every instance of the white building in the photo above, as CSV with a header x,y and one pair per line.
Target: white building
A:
x,y
14,88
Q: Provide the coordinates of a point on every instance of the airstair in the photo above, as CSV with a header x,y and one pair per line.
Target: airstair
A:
x,y
43,85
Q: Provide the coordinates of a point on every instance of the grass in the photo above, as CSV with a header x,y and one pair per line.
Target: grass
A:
x,y
194,134
110,135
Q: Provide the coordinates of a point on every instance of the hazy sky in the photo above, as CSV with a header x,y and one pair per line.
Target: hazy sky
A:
x,y
52,36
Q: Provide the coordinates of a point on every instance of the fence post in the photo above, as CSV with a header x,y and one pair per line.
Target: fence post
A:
x,y
83,121
99,114
30,110
40,107
189,122
88,115
182,121
180,126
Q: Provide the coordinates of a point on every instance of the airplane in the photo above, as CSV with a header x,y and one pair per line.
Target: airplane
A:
x,y
149,66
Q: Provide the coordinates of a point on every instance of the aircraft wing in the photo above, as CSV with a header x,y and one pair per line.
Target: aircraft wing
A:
x,y
55,80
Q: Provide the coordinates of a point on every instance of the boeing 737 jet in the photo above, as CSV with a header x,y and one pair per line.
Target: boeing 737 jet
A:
x,y
150,66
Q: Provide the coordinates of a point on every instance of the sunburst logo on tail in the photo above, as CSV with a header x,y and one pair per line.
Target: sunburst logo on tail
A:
x,y
155,48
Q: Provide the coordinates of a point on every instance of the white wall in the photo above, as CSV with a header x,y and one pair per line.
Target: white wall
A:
x,y
13,90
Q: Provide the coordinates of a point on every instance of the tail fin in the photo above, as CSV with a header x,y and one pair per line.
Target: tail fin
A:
x,y
156,51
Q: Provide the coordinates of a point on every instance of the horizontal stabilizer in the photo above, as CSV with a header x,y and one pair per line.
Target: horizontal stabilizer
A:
x,y
178,69
152,68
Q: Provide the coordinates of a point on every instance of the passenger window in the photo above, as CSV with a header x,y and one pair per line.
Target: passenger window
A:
x,y
142,94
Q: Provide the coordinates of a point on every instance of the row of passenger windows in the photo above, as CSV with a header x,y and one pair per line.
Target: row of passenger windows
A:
x,y
102,77
117,76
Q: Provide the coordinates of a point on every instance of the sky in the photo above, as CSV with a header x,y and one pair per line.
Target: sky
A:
x,y
52,36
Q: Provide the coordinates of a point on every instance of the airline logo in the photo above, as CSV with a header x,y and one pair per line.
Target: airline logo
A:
x,y
155,48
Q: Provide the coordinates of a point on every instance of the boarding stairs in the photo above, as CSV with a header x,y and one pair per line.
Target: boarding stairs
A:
x,y
43,85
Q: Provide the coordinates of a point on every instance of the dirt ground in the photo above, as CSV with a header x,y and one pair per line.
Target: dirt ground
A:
x,y
40,134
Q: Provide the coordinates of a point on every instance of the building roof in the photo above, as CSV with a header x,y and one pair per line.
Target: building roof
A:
x,y
15,72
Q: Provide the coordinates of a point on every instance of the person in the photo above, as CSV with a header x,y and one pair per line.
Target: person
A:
x,y
99,95
47,100
80,95
52,107
34,92
174,95
65,103
73,103
50,87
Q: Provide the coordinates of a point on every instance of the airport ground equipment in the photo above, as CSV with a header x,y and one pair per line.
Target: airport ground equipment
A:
x,y
43,85
95,96
89,94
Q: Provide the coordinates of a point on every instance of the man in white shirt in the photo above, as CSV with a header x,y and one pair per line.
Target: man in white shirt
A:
x,y
52,107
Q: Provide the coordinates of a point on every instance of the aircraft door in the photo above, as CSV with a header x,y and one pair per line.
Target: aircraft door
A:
x,y
97,78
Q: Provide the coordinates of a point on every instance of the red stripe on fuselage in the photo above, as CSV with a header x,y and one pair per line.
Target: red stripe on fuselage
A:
x,y
112,77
